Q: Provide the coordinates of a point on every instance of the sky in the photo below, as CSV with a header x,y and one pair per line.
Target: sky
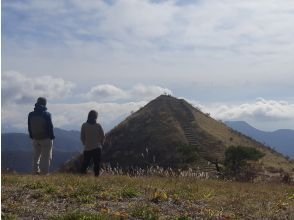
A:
x,y
233,59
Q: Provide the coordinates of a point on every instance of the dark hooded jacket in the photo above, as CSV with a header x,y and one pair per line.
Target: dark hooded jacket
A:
x,y
40,124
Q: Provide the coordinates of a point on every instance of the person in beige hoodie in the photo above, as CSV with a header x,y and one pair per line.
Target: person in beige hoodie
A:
x,y
92,137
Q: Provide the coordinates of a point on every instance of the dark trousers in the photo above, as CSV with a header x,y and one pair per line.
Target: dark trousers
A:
x,y
88,156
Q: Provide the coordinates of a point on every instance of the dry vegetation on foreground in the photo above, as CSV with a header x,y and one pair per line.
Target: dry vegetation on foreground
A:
x,y
121,197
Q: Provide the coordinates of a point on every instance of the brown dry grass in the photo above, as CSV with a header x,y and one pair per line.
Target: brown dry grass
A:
x,y
122,197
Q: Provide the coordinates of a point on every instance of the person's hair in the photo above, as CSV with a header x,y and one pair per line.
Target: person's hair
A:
x,y
92,116
42,101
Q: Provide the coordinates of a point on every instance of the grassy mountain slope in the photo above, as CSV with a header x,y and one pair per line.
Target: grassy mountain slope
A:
x,y
149,135
227,136
157,133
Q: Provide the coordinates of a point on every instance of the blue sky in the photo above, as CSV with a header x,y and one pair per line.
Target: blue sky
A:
x,y
233,58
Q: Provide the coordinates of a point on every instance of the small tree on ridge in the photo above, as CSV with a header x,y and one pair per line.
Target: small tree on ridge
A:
x,y
236,160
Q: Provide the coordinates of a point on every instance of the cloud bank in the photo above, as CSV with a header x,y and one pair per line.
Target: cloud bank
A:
x,y
21,89
262,113
20,92
260,110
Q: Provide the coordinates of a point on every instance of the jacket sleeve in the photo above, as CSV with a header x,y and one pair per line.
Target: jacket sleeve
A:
x,y
50,126
29,126
83,136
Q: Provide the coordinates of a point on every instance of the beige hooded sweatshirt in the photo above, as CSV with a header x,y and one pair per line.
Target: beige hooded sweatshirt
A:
x,y
92,136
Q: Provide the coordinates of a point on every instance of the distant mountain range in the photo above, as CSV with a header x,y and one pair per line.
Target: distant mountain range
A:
x,y
155,131
21,161
16,149
281,140
65,141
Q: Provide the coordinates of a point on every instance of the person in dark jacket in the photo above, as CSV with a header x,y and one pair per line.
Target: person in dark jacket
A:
x,y
92,137
40,129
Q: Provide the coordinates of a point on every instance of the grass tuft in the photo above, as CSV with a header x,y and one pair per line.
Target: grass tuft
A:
x,y
145,212
129,192
83,216
8,216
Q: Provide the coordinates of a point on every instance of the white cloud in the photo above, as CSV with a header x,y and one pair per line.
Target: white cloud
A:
x,y
260,110
19,88
107,92
142,92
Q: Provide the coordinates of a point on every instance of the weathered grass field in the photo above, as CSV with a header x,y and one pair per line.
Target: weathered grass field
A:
x,y
61,196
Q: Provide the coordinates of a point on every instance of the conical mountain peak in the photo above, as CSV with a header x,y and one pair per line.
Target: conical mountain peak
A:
x,y
168,130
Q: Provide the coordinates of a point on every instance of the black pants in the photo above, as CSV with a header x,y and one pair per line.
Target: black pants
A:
x,y
96,156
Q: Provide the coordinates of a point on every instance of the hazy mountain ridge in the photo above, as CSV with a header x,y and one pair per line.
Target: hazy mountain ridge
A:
x,y
21,161
67,141
281,140
17,150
